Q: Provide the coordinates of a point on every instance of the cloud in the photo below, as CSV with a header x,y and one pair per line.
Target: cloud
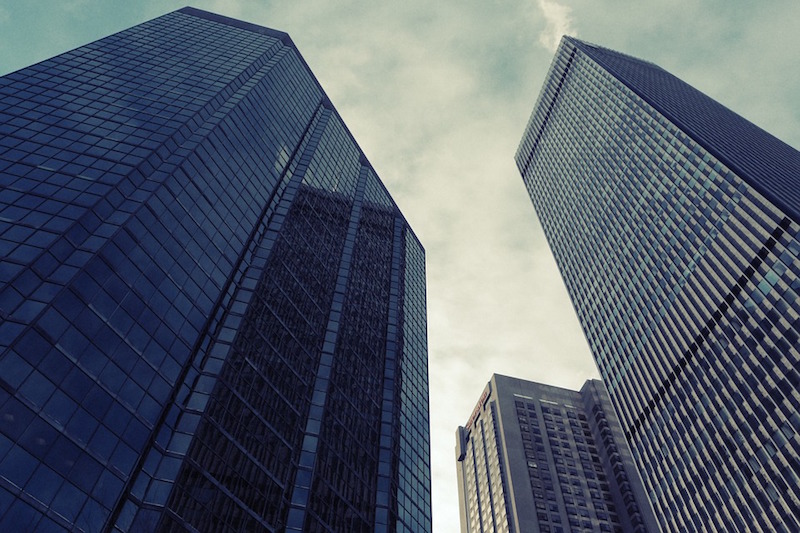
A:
x,y
558,22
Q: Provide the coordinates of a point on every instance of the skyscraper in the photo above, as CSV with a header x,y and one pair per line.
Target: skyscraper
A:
x,y
674,223
212,312
533,457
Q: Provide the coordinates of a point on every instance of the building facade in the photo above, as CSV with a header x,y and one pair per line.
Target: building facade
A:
x,y
212,313
535,458
674,223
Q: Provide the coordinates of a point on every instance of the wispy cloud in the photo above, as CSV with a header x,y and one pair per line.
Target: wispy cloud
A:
x,y
558,22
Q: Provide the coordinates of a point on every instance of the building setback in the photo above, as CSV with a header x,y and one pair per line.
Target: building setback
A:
x,y
536,458
674,223
212,313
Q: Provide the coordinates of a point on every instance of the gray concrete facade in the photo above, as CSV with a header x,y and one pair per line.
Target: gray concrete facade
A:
x,y
538,458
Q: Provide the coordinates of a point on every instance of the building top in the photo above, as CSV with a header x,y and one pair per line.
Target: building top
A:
x,y
770,165
241,24
287,41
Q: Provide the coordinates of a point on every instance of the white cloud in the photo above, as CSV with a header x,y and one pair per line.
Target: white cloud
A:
x,y
558,20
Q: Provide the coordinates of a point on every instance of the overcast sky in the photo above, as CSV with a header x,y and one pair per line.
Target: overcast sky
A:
x,y
438,94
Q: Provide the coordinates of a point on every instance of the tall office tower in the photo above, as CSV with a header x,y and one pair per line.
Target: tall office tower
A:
x,y
213,313
674,222
537,458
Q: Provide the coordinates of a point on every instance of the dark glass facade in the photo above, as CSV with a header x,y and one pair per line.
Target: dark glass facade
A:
x,y
538,458
675,225
212,313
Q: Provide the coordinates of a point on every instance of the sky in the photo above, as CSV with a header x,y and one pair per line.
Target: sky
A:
x,y
438,94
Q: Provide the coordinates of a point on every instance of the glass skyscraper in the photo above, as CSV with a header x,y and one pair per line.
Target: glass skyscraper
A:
x,y
212,313
675,225
538,458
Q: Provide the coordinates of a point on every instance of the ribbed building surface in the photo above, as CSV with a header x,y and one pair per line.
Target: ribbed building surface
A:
x,y
536,458
674,223
212,314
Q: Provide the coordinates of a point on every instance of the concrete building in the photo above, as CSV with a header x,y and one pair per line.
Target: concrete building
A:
x,y
537,458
